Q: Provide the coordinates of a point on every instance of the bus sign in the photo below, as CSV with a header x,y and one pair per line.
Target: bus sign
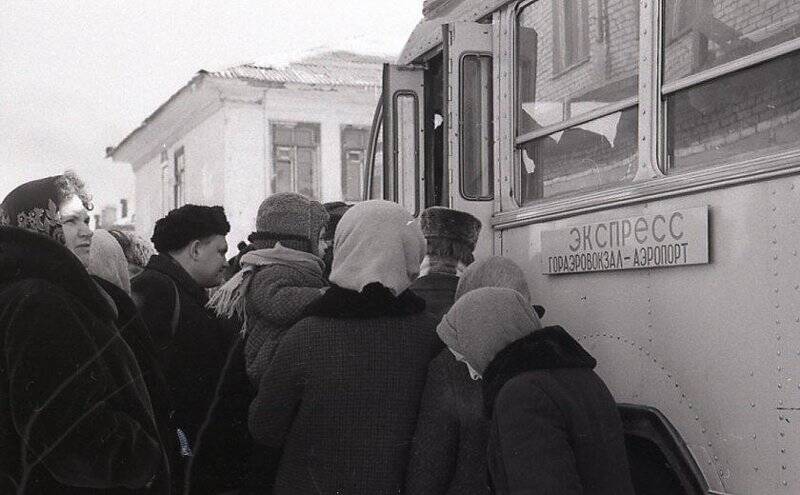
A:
x,y
676,238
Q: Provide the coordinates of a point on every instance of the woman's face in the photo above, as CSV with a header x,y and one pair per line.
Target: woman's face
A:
x,y
75,223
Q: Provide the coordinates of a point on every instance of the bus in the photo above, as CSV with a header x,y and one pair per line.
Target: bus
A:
x,y
639,160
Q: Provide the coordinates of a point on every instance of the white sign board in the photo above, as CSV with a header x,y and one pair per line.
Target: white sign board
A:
x,y
675,238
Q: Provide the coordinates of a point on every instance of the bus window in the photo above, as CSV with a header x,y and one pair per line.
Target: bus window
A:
x,y
406,120
476,127
576,96
730,81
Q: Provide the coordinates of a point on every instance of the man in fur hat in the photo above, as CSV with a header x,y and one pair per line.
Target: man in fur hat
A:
x,y
451,236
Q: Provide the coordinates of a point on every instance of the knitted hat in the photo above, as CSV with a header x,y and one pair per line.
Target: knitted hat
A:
x,y
291,219
188,223
450,233
484,321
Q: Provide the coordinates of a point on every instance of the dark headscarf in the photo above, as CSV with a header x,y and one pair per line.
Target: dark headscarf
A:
x,y
33,206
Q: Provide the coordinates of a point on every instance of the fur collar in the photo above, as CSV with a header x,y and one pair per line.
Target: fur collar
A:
x,y
373,301
24,254
548,348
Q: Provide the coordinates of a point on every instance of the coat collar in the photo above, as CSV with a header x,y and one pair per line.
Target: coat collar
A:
x,y
373,301
167,265
548,348
25,254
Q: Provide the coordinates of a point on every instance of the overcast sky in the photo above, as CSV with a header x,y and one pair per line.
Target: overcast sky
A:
x,y
77,76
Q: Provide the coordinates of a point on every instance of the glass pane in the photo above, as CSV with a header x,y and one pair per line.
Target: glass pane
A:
x,y
282,135
351,180
305,172
476,127
282,180
587,157
406,149
570,62
700,34
376,186
752,113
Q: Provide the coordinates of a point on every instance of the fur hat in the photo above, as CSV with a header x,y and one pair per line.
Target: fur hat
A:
x,y
450,233
187,223
291,219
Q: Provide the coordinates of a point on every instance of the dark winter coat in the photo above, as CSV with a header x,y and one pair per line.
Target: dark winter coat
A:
x,y
342,394
555,428
192,358
135,333
72,393
438,290
449,451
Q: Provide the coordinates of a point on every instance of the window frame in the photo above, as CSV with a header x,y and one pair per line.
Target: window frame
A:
x,y
652,180
490,102
343,129
561,67
316,127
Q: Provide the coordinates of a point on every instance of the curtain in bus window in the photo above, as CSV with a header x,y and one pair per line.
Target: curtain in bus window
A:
x,y
600,153
476,150
573,57
406,122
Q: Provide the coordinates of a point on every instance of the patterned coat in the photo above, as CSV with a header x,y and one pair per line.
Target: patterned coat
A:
x,y
342,394
75,408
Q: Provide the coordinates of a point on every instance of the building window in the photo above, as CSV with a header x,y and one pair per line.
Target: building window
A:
x,y
295,152
179,187
354,152
570,33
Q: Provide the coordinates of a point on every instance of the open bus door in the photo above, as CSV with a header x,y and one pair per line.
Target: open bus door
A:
x,y
394,165
469,146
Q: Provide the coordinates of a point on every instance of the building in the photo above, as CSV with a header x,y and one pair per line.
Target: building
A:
x,y
235,136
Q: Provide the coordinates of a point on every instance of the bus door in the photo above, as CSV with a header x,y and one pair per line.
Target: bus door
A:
x,y
469,145
403,137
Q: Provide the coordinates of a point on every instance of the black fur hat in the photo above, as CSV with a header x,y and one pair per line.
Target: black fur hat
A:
x,y
187,223
450,233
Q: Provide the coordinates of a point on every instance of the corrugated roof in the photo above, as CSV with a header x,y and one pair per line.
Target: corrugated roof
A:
x,y
355,74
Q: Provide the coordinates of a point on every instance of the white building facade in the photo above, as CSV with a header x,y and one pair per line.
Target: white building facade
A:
x,y
234,137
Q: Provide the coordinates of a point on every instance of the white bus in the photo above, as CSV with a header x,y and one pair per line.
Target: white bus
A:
x,y
639,160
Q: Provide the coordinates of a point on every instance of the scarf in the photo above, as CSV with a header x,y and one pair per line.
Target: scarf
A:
x,y
377,241
484,321
33,206
107,260
228,300
494,271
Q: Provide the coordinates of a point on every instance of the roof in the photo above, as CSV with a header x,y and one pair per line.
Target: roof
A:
x,y
428,33
330,69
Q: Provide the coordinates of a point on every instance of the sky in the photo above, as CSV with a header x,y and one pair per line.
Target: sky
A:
x,y
77,76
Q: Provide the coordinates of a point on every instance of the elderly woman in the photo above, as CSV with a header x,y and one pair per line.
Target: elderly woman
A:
x,y
449,451
554,426
341,395
76,413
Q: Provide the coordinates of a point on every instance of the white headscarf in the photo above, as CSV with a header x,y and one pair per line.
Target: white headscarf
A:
x,y
377,241
107,260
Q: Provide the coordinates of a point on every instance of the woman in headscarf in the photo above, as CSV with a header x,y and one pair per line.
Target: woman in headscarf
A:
x,y
137,250
76,416
449,451
554,426
340,397
108,266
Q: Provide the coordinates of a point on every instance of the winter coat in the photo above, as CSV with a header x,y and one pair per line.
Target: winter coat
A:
x,y
438,290
276,298
74,405
134,332
449,451
554,428
192,358
342,394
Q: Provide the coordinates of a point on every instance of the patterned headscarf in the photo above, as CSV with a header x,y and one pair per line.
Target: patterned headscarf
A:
x,y
33,206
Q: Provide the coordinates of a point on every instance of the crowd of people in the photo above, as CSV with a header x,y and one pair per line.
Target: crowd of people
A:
x,y
343,350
